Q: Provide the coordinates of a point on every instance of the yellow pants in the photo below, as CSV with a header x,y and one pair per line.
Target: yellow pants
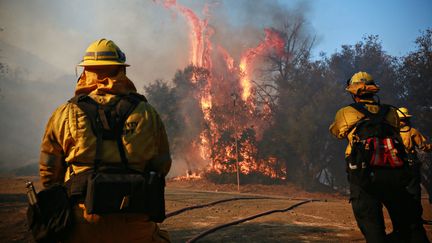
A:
x,y
114,228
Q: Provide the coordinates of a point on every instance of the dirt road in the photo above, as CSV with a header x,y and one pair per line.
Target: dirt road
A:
x,y
329,220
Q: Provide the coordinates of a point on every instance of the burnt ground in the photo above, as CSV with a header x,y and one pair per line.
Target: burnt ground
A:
x,y
329,220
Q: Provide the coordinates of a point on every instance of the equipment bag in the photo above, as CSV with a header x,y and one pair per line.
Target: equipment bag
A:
x,y
51,217
117,189
376,147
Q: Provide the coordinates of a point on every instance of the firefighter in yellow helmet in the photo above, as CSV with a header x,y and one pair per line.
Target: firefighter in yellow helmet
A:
x,y
366,124
413,140
106,125
411,137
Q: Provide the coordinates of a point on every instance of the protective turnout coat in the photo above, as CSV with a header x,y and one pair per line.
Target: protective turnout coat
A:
x,y
70,145
412,138
347,117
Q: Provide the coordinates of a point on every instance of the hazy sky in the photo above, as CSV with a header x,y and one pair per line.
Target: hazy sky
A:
x,y
155,40
43,40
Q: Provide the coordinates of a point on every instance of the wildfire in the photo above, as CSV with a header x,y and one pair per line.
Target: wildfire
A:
x,y
199,35
190,175
227,58
230,133
272,41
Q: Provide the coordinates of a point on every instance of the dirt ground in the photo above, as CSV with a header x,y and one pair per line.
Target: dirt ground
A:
x,y
327,220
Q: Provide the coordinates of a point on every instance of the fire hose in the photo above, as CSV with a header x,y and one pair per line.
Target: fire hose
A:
x,y
209,231
177,212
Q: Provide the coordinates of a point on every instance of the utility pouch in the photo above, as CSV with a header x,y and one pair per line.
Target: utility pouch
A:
x,y
77,185
51,217
359,172
385,178
113,192
156,197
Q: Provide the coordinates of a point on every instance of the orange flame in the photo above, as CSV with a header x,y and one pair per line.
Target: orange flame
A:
x,y
213,144
272,40
227,58
199,36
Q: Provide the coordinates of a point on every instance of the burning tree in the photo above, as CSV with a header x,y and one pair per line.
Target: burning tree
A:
x,y
218,99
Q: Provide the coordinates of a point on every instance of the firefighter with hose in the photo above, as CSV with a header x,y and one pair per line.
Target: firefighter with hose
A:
x,y
109,147
377,165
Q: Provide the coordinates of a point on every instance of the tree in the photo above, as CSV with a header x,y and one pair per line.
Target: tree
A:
x,y
161,96
180,110
368,55
292,136
416,78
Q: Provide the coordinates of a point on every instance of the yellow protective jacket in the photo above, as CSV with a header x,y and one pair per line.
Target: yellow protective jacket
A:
x,y
347,117
69,140
413,139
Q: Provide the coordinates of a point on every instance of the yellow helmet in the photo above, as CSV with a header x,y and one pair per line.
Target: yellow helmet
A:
x,y
403,113
103,52
361,83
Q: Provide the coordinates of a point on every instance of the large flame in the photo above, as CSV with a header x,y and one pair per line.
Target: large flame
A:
x,y
229,61
272,41
231,131
199,35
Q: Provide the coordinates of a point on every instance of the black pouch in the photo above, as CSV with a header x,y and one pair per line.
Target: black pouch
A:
x,y
359,173
155,200
51,218
385,178
113,192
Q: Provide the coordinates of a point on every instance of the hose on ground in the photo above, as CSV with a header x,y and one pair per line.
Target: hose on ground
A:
x,y
209,231
182,210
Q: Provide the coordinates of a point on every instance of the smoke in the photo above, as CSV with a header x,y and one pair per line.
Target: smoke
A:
x,y
42,41
59,31
240,24
155,41
237,27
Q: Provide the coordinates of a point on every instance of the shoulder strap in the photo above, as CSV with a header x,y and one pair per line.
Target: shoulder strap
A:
x,y
361,108
126,105
113,125
90,108
382,113
124,108
378,117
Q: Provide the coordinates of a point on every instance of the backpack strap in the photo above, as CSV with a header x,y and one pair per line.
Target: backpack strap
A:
x,y
124,108
362,108
107,121
376,117
90,108
382,113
